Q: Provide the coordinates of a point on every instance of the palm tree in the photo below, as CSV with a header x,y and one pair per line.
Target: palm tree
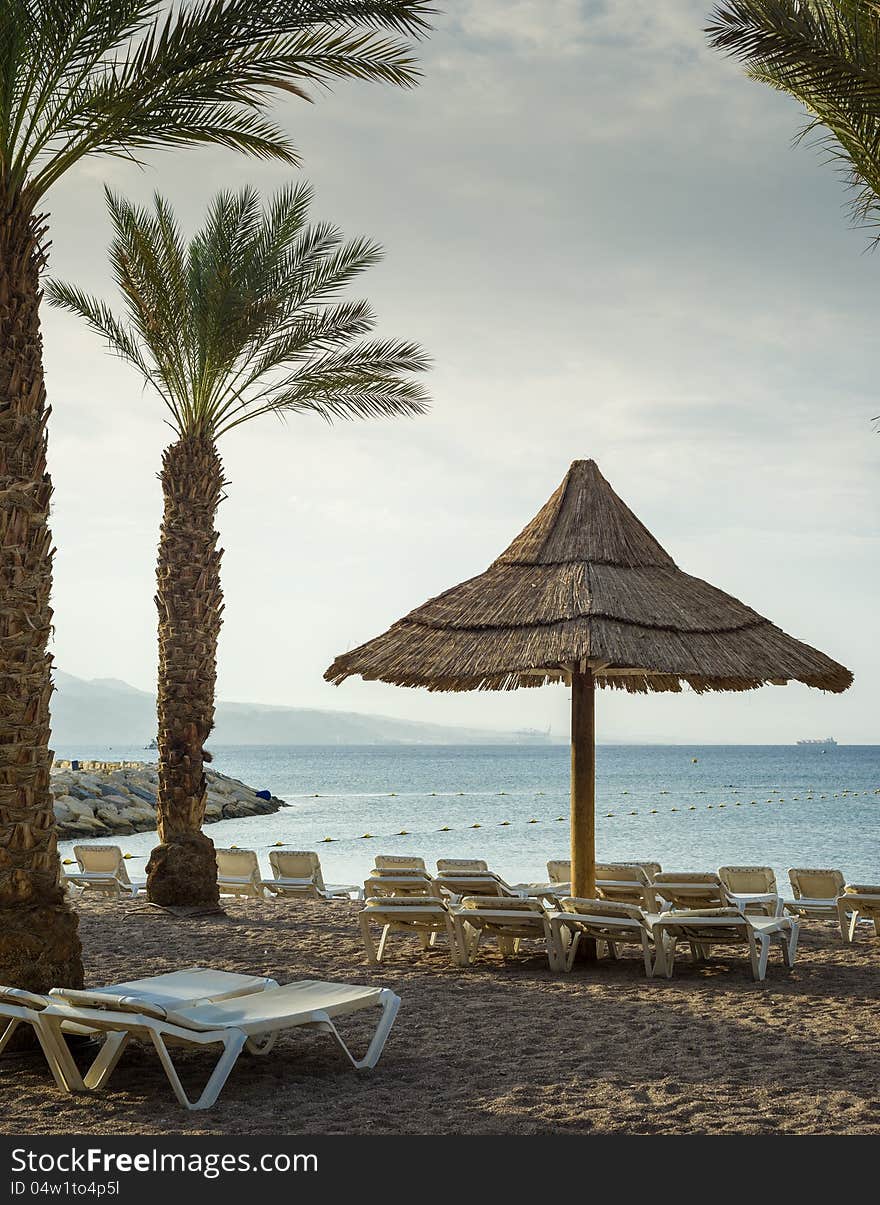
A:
x,y
246,319
84,77
826,54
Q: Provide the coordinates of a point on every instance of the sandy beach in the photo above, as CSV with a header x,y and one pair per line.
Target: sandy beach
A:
x,y
494,1049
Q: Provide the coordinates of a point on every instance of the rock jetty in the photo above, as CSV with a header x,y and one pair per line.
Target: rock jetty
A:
x,y
104,799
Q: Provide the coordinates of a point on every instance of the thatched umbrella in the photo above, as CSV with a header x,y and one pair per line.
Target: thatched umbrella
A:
x,y
586,595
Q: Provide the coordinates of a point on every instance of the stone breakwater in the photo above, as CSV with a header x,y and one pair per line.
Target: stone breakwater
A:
x,y
105,799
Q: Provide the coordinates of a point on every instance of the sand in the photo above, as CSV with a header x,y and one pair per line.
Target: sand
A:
x,y
494,1049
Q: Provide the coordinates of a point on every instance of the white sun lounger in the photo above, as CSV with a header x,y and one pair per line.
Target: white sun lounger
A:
x,y
251,1021
509,921
815,892
752,888
184,987
238,873
627,883
691,889
460,877
722,926
394,862
406,881
601,920
856,901
102,868
297,872
425,916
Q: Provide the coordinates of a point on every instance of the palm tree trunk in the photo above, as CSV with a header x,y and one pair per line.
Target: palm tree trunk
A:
x,y
183,869
39,942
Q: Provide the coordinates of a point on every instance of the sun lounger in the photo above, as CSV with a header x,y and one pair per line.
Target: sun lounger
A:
x,y
184,987
238,873
102,868
399,862
611,923
424,916
626,883
459,885
459,877
509,921
683,890
297,872
250,1022
815,892
398,883
704,928
856,901
752,888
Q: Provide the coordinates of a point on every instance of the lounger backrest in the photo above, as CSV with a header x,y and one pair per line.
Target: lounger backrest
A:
x,y
584,907
404,901
621,872
869,889
650,868
748,880
19,998
497,903
398,862
101,859
700,889
294,864
407,872
559,871
237,864
107,1002
462,866
475,884
816,884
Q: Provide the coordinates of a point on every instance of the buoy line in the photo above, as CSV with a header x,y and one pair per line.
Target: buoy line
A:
x,y
693,807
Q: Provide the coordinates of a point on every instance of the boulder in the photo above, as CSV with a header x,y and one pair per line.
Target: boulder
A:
x,y
80,808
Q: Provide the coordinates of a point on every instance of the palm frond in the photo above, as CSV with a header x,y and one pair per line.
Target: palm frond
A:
x,y
118,77
248,317
826,55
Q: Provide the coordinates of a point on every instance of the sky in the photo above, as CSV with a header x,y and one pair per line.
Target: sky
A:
x,y
604,236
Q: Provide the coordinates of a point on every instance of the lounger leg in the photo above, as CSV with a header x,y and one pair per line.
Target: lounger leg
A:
x,y
669,955
382,941
8,1032
853,921
452,938
792,944
390,1005
232,1047
369,947
646,954
571,952
59,1058
759,952
104,1065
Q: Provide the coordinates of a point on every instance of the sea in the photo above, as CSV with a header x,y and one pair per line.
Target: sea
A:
x,y
688,807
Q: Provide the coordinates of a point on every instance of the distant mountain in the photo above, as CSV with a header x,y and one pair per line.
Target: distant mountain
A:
x,y
107,711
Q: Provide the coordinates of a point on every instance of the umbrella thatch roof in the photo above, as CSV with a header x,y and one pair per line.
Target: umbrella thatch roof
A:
x,y
586,584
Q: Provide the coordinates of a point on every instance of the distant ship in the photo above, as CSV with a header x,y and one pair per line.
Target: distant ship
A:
x,y
533,736
825,740
152,745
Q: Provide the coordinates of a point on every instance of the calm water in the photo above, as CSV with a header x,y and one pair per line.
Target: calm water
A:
x,y
783,805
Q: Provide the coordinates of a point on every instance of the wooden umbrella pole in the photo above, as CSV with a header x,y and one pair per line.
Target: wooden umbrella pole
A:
x,y
583,784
